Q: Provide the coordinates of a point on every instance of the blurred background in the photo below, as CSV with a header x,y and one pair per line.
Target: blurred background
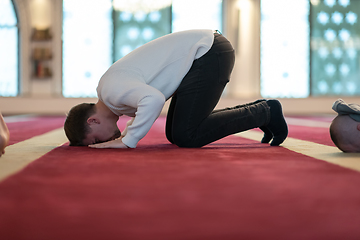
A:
x,y
306,53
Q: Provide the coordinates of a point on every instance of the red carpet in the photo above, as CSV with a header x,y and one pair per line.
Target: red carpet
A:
x,y
232,189
21,131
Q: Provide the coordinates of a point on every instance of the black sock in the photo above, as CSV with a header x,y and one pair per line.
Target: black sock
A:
x,y
267,135
277,124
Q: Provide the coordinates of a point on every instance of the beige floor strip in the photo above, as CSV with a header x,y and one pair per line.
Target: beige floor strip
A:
x,y
20,118
307,122
319,151
19,155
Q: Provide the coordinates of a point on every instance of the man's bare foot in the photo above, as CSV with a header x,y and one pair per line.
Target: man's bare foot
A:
x,y
4,135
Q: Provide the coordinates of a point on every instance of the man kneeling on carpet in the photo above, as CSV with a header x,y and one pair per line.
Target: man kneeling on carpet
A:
x,y
190,67
345,127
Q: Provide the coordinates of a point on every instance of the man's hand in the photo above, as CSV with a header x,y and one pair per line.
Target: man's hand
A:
x,y
117,143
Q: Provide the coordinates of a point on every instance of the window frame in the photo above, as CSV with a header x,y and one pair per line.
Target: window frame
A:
x,y
18,57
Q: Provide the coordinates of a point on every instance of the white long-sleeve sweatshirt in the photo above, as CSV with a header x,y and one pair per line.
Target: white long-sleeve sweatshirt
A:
x,y
138,84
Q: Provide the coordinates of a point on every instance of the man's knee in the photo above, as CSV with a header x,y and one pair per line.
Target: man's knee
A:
x,y
185,141
169,137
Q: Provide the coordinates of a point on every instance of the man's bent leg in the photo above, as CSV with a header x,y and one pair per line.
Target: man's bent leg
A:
x,y
193,121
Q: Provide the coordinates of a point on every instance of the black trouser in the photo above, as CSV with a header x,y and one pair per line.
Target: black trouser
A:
x,y
191,121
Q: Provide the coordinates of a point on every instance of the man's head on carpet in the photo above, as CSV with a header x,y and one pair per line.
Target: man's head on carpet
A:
x,y
75,125
83,126
345,133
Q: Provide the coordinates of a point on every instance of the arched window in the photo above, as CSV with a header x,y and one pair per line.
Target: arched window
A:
x,y
335,47
87,45
9,38
97,33
310,48
284,63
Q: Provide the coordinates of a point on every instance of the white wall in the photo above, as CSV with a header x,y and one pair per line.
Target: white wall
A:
x,y
241,27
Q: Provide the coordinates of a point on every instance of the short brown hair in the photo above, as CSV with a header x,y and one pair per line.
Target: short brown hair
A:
x,y
75,125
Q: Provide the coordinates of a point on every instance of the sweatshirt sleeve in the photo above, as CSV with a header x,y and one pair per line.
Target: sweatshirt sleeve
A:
x,y
146,101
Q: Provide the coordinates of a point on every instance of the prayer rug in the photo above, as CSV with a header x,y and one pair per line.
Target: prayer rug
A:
x,y
235,188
